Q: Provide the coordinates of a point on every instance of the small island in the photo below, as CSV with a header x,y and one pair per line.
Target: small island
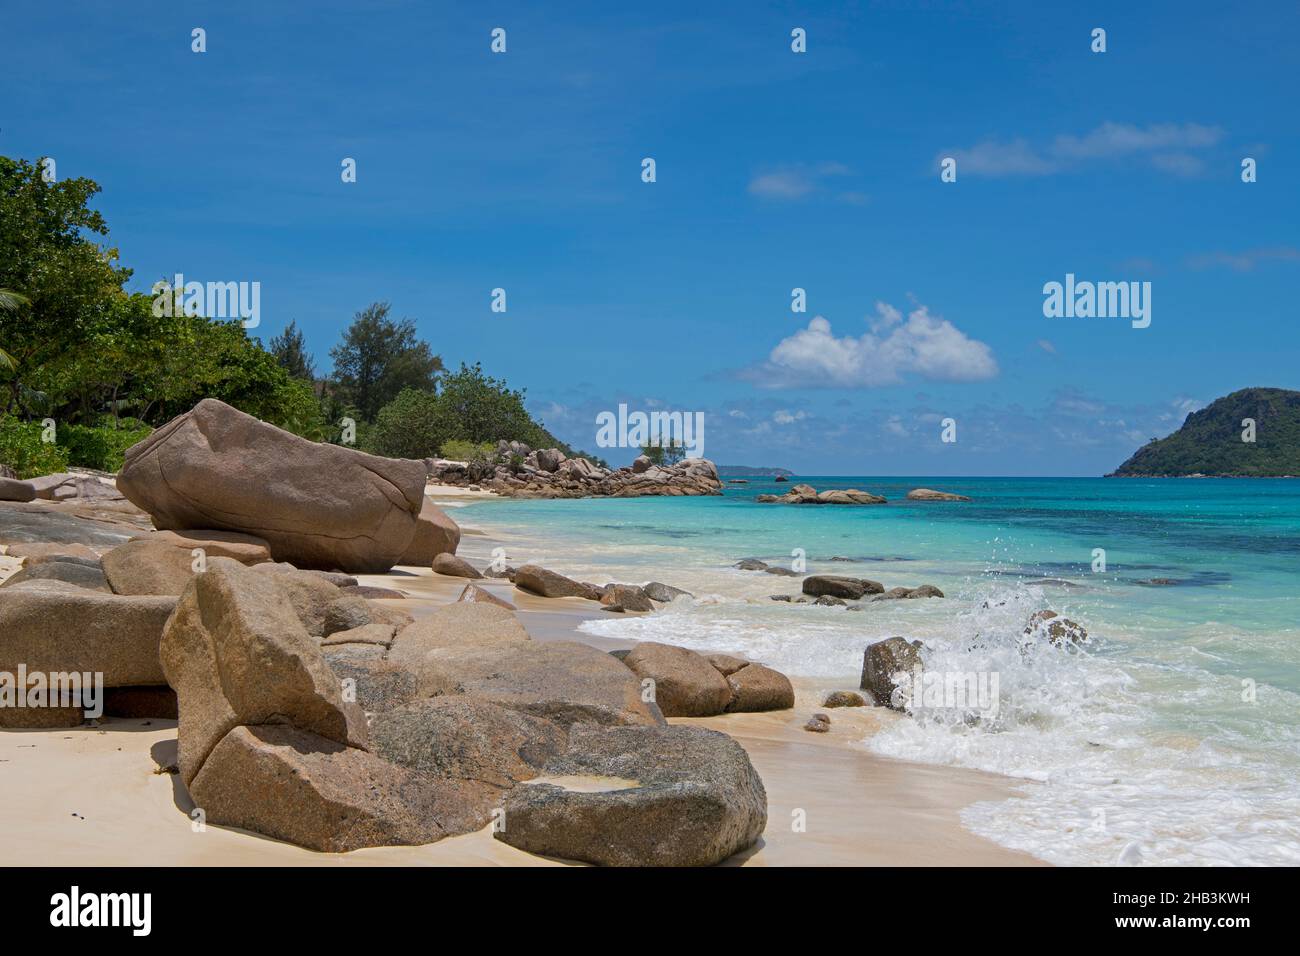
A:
x,y
1252,433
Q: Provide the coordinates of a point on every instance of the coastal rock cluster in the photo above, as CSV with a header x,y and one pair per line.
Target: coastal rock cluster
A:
x,y
808,495
314,710
517,471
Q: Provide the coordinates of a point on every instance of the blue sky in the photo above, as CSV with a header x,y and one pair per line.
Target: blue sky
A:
x,y
775,170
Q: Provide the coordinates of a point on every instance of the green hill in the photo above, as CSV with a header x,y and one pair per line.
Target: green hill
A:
x,y
1210,441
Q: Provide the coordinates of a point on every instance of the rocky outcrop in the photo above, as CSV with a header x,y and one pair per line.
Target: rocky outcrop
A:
x,y
886,666
78,573
314,791
435,534
473,594
561,681
467,739
929,494
13,490
538,580
906,594
626,597
66,485
236,654
681,796
840,586
755,687
686,684
244,548
844,698
1060,631
316,505
149,566
808,495
321,606
664,593
53,626
522,473
454,567
463,624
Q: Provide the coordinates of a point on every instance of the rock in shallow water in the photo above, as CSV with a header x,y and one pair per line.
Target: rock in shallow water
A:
x,y
540,581
840,586
882,665
452,566
685,683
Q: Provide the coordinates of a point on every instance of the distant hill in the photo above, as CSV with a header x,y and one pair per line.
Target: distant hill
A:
x,y
1210,441
747,471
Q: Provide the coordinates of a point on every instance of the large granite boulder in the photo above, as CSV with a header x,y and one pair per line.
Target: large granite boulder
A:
x,y
463,624
236,653
561,681
69,572
244,548
316,505
53,626
368,680
435,534
149,566
38,552
626,597
538,580
473,594
685,683
318,793
659,796
887,666
321,607
755,687
840,586
468,739
1059,631
929,494
13,490
454,567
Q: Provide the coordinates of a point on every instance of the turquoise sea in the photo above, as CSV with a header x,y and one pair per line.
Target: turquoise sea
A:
x,y
1172,736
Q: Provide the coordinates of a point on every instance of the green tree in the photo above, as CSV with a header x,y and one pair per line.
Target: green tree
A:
x,y
10,302
290,350
48,255
413,425
479,408
378,358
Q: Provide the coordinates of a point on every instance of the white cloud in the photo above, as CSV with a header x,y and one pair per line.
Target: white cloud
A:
x,y
1046,346
1167,146
796,182
922,344
782,417
1247,260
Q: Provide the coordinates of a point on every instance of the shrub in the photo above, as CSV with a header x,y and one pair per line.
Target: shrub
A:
x,y
101,446
410,426
22,450
458,449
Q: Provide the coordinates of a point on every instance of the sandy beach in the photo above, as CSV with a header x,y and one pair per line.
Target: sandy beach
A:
x,y
98,795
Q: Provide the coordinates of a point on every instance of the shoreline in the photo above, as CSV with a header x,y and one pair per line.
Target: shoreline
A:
x,y
97,796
